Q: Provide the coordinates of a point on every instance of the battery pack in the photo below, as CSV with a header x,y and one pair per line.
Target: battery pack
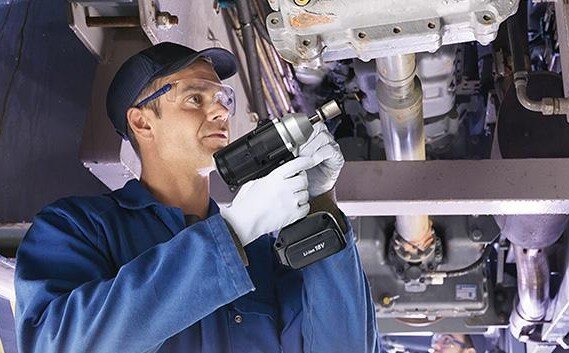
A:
x,y
308,240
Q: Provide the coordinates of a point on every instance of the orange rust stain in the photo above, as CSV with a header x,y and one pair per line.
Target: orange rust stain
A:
x,y
306,20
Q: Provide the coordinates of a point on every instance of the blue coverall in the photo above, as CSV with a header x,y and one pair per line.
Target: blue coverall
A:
x,y
122,273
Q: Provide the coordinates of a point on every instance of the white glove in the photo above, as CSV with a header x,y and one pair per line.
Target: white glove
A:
x,y
321,145
272,202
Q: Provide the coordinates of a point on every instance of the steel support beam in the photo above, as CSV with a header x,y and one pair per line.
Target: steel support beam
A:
x,y
515,186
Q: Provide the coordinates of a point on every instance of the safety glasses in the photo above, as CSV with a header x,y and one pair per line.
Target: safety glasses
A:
x,y
446,340
194,93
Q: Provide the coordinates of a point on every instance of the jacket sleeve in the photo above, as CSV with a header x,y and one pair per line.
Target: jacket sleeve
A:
x,y
70,298
327,306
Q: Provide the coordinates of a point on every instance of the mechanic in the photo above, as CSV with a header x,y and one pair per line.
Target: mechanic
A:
x,y
157,266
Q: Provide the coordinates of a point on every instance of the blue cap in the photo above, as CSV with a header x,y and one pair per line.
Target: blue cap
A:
x,y
157,61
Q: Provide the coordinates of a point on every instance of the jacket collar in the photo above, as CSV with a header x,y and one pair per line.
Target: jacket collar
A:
x,y
135,196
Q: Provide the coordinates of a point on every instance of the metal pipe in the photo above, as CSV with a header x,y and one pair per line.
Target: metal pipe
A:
x,y
533,282
546,106
257,101
278,74
533,292
271,81
517,36
401,113
113,22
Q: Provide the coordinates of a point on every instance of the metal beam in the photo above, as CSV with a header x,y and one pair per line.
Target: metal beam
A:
x,y
515,186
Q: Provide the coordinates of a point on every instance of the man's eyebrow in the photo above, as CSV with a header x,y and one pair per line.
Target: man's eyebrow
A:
x,y
192,87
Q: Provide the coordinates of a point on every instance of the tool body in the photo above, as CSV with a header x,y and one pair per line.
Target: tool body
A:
x,y
259,152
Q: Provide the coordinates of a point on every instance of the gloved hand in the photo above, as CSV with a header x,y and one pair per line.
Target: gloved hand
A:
x,y
272,202
321,145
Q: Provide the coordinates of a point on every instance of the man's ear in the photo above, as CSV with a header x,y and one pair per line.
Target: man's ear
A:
x,y
139,123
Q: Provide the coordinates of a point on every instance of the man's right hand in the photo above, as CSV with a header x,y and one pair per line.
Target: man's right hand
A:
x,y
272,202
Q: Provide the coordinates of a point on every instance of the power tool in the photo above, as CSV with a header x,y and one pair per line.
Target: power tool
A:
x,y
259,152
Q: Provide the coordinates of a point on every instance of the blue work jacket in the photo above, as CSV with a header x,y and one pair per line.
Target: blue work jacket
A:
x,y
122,273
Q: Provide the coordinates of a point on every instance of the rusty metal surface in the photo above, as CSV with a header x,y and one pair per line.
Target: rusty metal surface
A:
x,y
369,29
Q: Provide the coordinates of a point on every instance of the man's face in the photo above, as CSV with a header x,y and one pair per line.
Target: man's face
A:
x,y
186,132
450,343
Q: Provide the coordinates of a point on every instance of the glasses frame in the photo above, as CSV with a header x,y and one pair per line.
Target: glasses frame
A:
x,y
450,341
169,86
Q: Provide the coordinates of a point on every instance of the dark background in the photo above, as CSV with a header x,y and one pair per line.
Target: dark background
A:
x,y
45,87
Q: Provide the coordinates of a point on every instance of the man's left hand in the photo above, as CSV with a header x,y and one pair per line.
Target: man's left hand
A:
x,y
322,177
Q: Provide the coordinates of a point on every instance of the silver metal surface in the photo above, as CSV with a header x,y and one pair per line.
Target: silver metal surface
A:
x,y
532,231
298,129
330,110
401,114
521,186
546,106
370,29
436,72
533,288
557,326
397,70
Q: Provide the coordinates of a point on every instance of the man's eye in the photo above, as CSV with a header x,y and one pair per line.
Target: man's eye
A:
x,y
195,99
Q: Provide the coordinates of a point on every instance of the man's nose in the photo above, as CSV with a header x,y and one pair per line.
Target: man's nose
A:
x,y
218,111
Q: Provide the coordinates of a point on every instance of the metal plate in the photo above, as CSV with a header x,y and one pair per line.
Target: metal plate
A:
x,y
368,29
445,305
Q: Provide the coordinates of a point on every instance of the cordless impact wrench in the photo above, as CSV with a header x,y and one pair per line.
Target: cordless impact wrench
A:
x,y
259,152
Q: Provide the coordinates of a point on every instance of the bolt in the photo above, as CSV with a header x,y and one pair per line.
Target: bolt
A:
x,y
165,20
476,234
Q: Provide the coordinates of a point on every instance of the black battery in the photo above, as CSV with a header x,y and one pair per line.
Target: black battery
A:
x,y
308,240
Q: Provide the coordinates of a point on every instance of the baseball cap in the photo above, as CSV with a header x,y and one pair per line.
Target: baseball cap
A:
x,y
157,61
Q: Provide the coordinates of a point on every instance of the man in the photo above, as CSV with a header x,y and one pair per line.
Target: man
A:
x,y
157,267
452,343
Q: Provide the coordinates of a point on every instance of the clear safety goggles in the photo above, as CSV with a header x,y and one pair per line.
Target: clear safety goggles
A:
x,y
195,93
445,341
